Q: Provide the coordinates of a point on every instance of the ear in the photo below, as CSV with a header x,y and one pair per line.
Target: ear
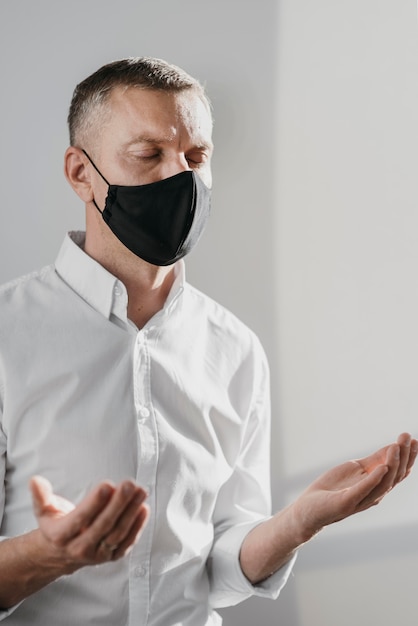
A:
x,y
78,173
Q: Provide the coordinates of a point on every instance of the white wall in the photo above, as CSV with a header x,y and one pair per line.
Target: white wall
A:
x,y
311,242
347,253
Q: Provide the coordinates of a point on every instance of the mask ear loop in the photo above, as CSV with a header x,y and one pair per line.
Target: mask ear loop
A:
x,y
99,172
95,167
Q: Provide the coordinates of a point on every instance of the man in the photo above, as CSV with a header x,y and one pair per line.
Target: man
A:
x,y
120,384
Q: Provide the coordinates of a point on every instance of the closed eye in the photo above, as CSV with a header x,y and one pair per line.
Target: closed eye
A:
x,y
197,158
144,155
148,157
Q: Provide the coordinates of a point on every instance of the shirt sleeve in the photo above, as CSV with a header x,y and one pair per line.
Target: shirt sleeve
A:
x,y
3,446
244,501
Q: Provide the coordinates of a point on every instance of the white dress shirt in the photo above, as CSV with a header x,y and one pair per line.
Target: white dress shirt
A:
x,y
180,406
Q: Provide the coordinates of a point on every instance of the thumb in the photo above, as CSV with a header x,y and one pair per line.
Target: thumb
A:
x,y
45,501
41,490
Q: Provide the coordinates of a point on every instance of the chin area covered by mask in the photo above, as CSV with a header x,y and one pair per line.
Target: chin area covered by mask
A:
x,y
160,222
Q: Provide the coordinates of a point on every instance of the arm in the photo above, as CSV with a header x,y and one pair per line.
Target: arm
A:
x,y
102,528
342,491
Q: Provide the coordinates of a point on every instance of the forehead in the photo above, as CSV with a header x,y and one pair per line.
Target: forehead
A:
x,y
163,115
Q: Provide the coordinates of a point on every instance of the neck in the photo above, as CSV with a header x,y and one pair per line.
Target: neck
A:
x,y
147,285
147,293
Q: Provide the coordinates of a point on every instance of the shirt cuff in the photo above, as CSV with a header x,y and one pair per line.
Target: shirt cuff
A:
x,y
229,585
7,612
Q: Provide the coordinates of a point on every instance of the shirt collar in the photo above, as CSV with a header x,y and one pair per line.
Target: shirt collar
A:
x,y
98,287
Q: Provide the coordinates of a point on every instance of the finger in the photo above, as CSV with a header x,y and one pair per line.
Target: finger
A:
x,y
412,456
122,526
393,459
41,490
45,502
388,456
111,526
388,479
134,534
369,463
370,483
404,442
117,506
83,515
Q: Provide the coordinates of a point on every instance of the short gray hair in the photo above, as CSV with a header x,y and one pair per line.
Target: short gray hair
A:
x,y
144,72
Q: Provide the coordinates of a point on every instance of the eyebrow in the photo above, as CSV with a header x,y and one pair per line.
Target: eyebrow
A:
x,y
160,140
145,139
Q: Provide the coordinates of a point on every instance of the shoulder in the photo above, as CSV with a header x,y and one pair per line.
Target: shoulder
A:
x,y
222,322
26,283
24,295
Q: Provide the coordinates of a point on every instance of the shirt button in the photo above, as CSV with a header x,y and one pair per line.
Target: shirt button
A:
x,y
144,412
117,290
140,571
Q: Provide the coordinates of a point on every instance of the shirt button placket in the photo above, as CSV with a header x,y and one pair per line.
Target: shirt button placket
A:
x,y
147,464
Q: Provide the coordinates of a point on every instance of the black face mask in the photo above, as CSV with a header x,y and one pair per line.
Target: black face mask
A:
x,y
159,222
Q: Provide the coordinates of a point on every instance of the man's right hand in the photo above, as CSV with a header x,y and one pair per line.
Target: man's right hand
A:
x,y
103,527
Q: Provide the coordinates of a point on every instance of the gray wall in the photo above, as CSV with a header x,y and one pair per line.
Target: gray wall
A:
x,y
312,240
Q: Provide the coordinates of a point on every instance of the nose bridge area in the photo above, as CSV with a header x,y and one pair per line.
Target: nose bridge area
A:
x,y
175,163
